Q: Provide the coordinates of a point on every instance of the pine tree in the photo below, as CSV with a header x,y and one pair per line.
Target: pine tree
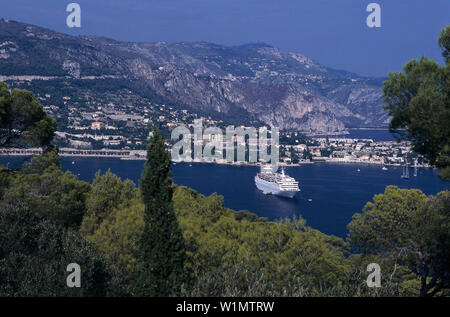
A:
x,y
162,246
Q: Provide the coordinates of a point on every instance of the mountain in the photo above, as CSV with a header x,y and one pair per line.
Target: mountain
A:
x,y
253,81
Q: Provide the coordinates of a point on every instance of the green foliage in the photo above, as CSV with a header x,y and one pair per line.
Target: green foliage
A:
x,y
395,280
247,215
40,163
419,102
410,230
162,248
23,122
444,43
35,252
118,235
227,257
56,195
107,193
231,253
230,257
433,241
156,179
385,225
6,175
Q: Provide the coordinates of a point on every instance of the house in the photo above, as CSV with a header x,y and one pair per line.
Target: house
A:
x,y
96,125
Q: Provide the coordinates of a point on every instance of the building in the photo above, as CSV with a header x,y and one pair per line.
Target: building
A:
x,y
96,125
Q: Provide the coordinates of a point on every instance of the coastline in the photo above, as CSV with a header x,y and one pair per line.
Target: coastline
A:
x,y
140,155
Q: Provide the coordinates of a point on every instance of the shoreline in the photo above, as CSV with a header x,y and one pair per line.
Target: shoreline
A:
x,y
140,155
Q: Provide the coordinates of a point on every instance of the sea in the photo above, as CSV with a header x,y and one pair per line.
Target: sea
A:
x,y
331,193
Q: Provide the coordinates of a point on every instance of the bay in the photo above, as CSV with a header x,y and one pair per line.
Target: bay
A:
x,y
336,190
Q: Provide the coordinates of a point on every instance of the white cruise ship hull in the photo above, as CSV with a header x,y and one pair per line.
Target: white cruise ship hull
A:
x,y
273,188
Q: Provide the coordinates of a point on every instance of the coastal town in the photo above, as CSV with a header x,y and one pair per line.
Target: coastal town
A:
x,y
119,126
352,150
315,150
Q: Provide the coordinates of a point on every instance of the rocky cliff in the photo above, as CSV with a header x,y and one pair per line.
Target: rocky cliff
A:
x,y
280,88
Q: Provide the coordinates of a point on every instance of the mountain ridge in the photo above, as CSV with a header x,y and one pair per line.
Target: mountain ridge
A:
x,y
279,88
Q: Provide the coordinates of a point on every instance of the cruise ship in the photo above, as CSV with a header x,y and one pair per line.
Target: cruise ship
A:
x,y
279,184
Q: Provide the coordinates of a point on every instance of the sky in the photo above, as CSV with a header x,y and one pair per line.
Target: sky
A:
x,y
332,32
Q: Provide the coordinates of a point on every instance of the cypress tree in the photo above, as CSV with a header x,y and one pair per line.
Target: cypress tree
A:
x,y
162,246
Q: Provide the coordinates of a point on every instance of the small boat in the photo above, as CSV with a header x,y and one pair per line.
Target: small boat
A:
x,y
405,173
384,168
73,162
358,170
309,199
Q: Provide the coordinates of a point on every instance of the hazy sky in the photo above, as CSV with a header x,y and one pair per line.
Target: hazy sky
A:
x,y
332,32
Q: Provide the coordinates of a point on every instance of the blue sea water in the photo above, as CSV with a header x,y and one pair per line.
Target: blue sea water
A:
x,y
337,190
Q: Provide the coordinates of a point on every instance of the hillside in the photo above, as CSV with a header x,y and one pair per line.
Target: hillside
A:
x,y
249,83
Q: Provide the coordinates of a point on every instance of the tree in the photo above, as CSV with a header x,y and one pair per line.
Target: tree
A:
x,y
444,43
433,224
162,246
58,196
294,156
35,252
253,257
418,101
23,121
411,230
38,164
108,193
118,235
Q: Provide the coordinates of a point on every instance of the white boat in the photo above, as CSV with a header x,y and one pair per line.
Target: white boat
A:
x,y
405,173
415,168
279,184
384,168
